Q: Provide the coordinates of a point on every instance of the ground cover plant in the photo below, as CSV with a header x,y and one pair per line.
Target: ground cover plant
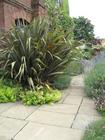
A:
x,y
100,105
8,91
12,92
95,81
96,131
95,86
41,96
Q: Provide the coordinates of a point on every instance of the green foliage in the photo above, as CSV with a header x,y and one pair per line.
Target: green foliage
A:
x,y
8,91
35,54
96,131
88,53
95,81
83,30
63,81
60,19
100,105
41,96
76,68
65,6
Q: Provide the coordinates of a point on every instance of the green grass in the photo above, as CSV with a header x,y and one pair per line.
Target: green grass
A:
x,y
96,131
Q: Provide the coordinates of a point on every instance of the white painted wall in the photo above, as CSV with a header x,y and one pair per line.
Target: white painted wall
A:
x,y
92,9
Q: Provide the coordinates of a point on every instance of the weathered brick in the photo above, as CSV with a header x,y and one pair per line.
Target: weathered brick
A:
x,y
19,9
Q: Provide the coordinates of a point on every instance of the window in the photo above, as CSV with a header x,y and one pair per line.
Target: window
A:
x,y
19,22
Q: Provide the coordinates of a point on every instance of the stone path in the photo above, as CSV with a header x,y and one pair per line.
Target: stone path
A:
x,y
65,120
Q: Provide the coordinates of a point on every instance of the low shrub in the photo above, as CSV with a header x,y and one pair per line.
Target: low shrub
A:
x,y
95,81
8,92
100,105
96,131
76,68
41,96
35,54
63,81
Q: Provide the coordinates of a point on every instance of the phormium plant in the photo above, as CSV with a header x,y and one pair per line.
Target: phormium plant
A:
x,y
35,54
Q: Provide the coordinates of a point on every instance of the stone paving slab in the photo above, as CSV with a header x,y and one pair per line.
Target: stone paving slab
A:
x,y
88,110
4,107
51,118
10,127
43,132
82,121
75,100
60,108
87,101
78,81
77,91
19,111
65,93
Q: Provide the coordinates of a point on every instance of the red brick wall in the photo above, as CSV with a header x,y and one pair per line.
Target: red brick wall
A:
x,y
38,9
11,13
1,15
26,2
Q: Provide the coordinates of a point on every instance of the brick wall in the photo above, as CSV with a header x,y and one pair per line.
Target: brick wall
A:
x,y
13,9
12,12
26,2
1,15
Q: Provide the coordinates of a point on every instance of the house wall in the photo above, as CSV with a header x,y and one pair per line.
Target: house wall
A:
x,y
26,2
11,13
1,15
10,10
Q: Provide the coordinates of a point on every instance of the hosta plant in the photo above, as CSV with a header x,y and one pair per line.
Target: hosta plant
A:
x,y
34,54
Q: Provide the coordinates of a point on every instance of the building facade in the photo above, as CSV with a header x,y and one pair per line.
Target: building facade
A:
x,y
12,11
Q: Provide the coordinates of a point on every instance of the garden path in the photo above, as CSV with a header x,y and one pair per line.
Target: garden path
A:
x,y
65,120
